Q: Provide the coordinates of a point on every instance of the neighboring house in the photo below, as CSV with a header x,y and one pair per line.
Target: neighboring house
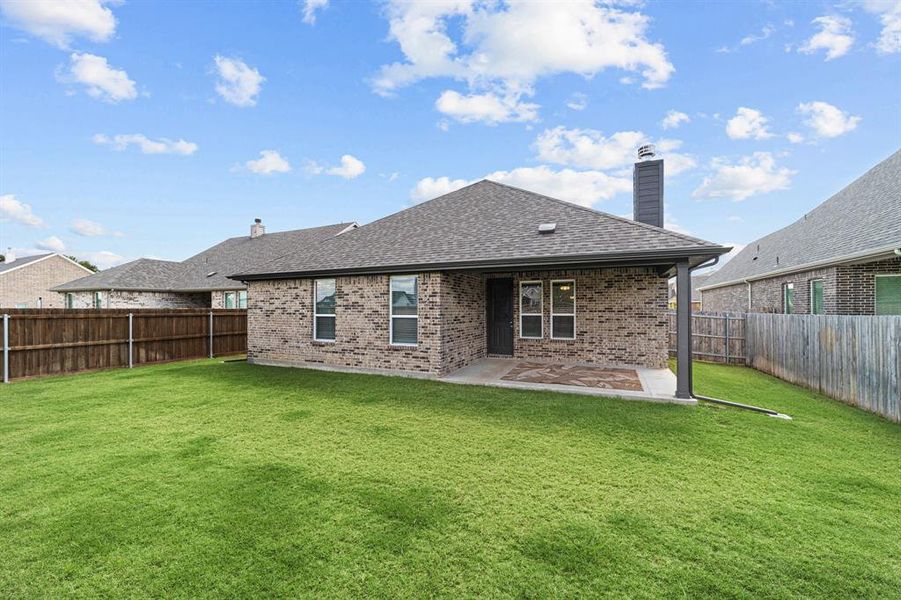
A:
x,y
843,257
696,282
27,282
487,270
198,282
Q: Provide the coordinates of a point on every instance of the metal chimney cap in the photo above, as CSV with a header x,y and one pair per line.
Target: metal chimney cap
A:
x,y
646,151
258,220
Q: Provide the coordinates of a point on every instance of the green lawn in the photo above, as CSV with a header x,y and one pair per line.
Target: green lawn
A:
x,y
211,479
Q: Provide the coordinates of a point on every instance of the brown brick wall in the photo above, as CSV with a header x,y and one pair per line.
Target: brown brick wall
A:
x,y
847,290
127,299
32,281
620,319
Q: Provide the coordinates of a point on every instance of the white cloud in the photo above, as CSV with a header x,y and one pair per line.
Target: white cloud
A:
x,y
52,244
104,259
309,10
12,209
835,37
577,101
270,162
826,120
238,83
87,228
579,187
504,48
736,248
101,81
673,119
58,21
752,175
889,13
589,148
487,107
147,145
748,123
795,138
752,38
443,125
351,167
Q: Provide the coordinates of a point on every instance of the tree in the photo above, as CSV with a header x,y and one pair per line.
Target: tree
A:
x,y
84,263
2,258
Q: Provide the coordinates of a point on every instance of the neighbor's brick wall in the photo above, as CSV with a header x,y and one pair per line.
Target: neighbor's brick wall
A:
x,y
847,290
33,281
280,325
620,318
218,298
125,299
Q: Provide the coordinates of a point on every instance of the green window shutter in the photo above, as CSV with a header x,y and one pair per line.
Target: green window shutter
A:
x,y
888,295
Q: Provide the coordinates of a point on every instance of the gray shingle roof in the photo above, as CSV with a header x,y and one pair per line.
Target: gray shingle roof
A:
x,y
864,216
483,221
232,255
13,264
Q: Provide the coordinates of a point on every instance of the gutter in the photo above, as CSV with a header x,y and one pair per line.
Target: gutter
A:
x,y
848,258
643,258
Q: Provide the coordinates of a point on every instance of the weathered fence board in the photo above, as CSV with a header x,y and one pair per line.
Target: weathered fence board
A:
x,y
855,359
54,341
715,337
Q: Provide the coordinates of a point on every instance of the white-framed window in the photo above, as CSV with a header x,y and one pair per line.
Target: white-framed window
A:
x,y
788,298
70,300
242,299
531,303
229,300
563,309
324,301
817,302
404,321
888,294
98,299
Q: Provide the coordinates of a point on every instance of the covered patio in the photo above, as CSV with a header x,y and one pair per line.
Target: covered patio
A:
x,y
627,382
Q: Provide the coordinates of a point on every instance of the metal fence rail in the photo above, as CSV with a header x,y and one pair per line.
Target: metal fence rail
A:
x,y
39,342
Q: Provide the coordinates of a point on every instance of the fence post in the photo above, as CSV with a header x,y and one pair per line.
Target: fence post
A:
x,y
726,335
5,348
211,334
130,340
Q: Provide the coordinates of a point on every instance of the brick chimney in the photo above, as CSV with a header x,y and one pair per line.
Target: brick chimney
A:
x,y
257,229
647,187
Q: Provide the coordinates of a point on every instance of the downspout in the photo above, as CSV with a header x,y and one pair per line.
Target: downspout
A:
x,y
766,411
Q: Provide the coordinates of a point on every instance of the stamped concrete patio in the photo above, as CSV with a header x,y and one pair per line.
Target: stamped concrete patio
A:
x,y
630,383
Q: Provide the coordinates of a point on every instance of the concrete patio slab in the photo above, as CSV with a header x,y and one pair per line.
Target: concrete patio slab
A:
x,y
657,385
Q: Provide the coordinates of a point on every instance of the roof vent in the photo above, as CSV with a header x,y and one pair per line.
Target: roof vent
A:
x,y
547,228
211,273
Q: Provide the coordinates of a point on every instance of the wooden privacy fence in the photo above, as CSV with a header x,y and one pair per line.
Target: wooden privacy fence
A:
x,y
715,337
52,341
855,359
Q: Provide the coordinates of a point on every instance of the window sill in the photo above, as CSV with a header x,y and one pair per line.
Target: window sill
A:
x,y
393,345
324,342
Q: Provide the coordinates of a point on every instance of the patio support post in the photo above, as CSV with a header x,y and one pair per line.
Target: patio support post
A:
x,y
683,330
211,334
5,348
130,340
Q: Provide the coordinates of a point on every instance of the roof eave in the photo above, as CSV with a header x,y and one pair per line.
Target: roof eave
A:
x,y
638,258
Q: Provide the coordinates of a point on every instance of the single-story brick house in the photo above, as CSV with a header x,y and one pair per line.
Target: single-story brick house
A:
x,y
198,282
841,258
27,282
487,270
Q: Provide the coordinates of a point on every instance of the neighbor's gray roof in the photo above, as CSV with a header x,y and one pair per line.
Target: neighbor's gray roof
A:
x,y
483,222
193,274
6,266
865,216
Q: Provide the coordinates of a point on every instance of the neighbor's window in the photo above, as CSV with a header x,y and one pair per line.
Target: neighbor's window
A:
x,y
229,299
816,297
22,305
563,309
888,294
324,310
242,299
788,298
404,310
98,299
70,300
530,310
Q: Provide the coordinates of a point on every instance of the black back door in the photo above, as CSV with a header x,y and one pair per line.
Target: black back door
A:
x,y
500,316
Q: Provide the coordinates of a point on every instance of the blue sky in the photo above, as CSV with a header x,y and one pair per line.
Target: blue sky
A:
x,y
157,129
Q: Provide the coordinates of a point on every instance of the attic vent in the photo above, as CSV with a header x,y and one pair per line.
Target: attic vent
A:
x,y
211,273
547,228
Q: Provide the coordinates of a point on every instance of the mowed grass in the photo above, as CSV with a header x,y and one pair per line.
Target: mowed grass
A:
x,y
211,479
